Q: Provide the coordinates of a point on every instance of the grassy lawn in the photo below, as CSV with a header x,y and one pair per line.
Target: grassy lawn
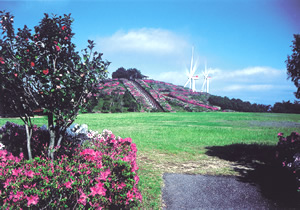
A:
x,y
184,142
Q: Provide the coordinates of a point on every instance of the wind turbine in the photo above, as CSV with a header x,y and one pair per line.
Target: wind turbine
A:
x,y
190,74
205,86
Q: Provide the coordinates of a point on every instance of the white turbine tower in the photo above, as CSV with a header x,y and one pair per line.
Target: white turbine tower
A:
x,y
190,74
205,86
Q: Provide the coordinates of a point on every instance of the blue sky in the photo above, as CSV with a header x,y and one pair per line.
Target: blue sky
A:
x,y
244,42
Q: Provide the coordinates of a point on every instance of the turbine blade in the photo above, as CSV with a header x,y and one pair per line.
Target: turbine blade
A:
x,y
207,86
187,82
203,85
192,62
195,67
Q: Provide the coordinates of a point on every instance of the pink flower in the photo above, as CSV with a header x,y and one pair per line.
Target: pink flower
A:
x,y
280,134
134,167
126,159
98,189
133,148
17,196
57,48
87,152
15,172
29,174
82,198
68,184
130,196
7,182
33,199
103,175
64,27
136,179
32,64
122,185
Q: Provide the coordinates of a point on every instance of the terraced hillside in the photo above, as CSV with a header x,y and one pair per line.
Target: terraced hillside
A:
x,y
122,95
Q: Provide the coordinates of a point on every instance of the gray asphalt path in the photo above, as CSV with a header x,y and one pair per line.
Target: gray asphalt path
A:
x,y
183,191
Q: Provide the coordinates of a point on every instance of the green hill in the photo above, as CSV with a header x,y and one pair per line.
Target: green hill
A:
x,y
123,95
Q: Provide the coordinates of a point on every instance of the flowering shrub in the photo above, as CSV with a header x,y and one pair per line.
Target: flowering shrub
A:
x,y
288,154
102,173
111,87
190,101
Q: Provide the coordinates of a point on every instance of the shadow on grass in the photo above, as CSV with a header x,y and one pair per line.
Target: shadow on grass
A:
x,y
256,164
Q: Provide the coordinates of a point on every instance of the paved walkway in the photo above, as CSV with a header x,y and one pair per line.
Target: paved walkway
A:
x,y
211,192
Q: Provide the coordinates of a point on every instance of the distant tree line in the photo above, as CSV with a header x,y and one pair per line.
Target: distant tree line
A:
x,y
131,73
286,107
237,104
242,106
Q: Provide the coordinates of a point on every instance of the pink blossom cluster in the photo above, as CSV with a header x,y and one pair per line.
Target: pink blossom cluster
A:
x,y
180,103
112,87
100,174
194,102
153,81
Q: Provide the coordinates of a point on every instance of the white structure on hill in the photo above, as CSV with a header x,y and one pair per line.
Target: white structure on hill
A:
x,y
190,74
205,86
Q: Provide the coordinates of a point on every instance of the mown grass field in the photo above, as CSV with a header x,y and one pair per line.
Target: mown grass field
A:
x,y
183,142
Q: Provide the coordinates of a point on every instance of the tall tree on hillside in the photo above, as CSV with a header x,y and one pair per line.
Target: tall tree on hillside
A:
x,y
134,73
43,70
293,64
120,73
131,73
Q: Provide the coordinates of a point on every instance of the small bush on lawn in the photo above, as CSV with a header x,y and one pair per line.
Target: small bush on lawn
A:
x,y
288,154
102,173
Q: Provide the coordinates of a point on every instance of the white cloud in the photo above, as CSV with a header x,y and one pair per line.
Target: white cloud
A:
x,y
174,77
145,40
257,72
238,87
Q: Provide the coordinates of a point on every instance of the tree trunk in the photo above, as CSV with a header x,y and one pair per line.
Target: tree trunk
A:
x,y
28,136
52,136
